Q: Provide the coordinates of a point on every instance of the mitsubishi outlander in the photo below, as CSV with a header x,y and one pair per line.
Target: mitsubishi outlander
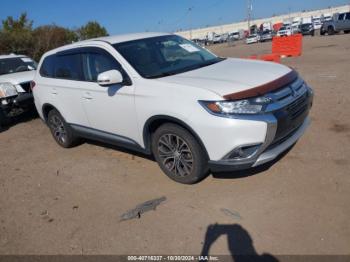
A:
x,y
163,95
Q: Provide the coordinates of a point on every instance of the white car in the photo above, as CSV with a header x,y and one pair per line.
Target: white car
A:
x,y
16,74
252,39
285,31
161,94
317,22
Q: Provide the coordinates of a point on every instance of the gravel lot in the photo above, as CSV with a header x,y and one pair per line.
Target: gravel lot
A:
x,y
69,201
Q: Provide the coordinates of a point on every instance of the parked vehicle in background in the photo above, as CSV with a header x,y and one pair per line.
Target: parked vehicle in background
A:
x,y
316,20
307,29
163,95
340,22
200,41
296,24
214,38
287,23
326,17
306,20
235,35
16,74
285,31
224,37
265,36
254,38
267,26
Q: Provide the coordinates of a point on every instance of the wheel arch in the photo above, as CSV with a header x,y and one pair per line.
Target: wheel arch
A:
x,y
46,108
156,121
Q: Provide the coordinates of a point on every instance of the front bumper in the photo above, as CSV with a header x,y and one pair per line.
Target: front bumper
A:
x,y
284,127
22,100
270,154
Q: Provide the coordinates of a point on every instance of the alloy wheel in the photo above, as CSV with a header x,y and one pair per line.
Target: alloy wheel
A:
x,y
58,129
175,155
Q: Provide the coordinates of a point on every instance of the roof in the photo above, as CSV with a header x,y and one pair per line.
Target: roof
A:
x,y
11,56
109,39
128,37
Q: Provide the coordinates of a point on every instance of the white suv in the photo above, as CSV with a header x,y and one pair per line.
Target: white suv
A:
x,y
161,94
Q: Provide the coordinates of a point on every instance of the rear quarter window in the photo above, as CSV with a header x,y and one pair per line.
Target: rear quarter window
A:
x,y
63,67
47,67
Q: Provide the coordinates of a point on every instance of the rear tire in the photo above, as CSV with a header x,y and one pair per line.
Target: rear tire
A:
x,y
179,154
60,130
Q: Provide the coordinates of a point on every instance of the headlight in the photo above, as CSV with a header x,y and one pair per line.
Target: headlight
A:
x,y
246,106
7,90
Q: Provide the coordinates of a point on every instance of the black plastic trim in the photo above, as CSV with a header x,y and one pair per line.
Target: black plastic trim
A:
x,y
106,137
222,166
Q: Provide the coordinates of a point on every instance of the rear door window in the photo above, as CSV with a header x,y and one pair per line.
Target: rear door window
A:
x,y
347,16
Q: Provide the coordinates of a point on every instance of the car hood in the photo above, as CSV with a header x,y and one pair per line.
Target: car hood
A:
x,y
17,78
230,76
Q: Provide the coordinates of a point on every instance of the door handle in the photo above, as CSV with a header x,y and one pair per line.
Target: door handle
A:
x,y
87,96
54,91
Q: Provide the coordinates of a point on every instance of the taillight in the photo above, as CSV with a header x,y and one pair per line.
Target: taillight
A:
x,y
32,85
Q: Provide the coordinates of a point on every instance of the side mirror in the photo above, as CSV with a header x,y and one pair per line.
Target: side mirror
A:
x,y
109,78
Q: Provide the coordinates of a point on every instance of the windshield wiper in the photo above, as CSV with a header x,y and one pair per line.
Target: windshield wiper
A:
x,y
161,75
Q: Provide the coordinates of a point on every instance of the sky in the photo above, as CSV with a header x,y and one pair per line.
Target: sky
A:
x,y
129,16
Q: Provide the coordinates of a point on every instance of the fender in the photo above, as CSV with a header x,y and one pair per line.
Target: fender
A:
x,y
157,120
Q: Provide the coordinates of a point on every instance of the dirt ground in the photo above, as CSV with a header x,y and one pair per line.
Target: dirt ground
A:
x,y
69,201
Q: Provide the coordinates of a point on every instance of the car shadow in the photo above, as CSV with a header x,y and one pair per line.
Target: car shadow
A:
x,y
20,118
251,171
240,243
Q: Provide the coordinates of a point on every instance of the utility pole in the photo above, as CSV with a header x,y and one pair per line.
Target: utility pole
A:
x,y
249,13
190,21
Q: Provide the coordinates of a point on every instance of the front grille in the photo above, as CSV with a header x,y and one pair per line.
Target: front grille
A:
x,y
279,141
298,107
293,103
291,116
26,87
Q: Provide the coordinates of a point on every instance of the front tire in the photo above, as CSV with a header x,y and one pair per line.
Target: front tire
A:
x,y
60,130
331,30
179,154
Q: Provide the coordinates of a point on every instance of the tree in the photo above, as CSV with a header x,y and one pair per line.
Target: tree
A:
x,y
91,30
48,37
16,35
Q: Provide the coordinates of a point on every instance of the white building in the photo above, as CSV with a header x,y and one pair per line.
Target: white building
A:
x,y
202,32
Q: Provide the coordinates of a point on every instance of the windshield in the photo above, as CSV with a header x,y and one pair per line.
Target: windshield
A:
x,y
165,55
306,25
15,65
